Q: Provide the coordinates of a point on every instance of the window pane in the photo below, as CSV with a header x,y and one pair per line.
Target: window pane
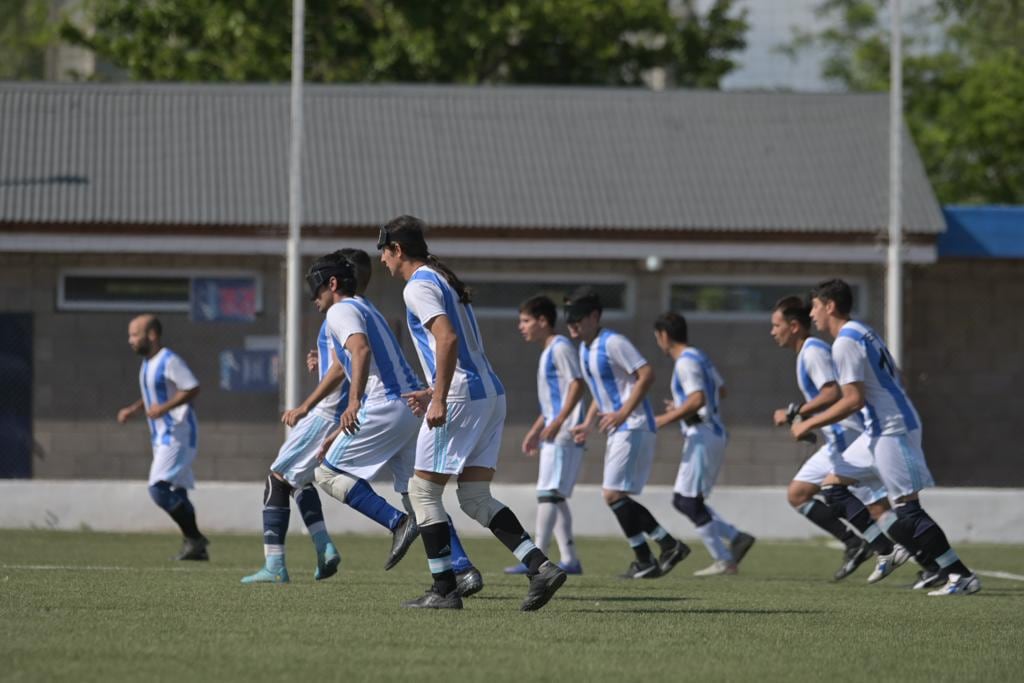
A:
x,y
125,289
736,298
508,295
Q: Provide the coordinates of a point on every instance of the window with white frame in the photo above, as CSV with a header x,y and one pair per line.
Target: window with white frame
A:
x,y
149,290
742,298
500,294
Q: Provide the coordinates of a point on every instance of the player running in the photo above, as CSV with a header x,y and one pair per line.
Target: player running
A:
x,y
697,390
464,413
168,390
890,447
559,390
618,378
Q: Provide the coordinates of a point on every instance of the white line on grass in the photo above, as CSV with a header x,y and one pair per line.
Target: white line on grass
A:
x,y
100,568
1000,575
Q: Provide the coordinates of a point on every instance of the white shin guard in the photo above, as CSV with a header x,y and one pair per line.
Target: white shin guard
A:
x,y
426,500
335,484
476,501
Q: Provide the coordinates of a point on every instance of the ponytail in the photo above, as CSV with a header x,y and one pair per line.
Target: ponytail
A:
x,y
464,292
408,232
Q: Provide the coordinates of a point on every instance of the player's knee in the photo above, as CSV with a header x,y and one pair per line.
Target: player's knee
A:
x,y
836,496
276,492
693,508
162,495
476,501
800,493
307,498
911,521
426,500
612,497
549,497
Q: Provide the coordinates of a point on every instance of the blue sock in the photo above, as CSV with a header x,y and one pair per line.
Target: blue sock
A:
x,y
460,561
275,528
365,500
308,501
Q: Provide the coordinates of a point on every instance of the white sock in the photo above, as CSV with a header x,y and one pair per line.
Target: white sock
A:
x,y
724,529
546,515
709,534
563,533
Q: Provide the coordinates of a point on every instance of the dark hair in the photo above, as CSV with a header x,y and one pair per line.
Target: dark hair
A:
x,y
794,308
582,302
362,266
408,231
153,324
673,324
837,292
540,307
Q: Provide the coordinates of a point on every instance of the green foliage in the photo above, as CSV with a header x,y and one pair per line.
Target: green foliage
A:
x,y
963,76
458,41
25,33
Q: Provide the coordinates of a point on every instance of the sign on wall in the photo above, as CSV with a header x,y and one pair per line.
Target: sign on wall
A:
x,y
223,299
247,370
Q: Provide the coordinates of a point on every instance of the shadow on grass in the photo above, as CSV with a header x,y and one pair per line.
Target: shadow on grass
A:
x,y
625,598
668,610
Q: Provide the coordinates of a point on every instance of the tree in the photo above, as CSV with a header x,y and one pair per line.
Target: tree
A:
x,y
25,34
963,78
458,41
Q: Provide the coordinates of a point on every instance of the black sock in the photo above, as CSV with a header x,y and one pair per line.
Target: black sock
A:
x,y
649,525
184,515
626,512
506,528
821,515
437,543
926,539
846,505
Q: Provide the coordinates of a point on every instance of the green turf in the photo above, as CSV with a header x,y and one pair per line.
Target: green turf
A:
x,y
90,606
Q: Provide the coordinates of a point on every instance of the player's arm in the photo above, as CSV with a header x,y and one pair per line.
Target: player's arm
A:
x,y
573,394
828,394
644,379
359,352
446,344
580,431
687,409
531,442
181,397
328,385
125,413
851,400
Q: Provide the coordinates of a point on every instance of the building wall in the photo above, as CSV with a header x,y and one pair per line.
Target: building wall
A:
x,y
84,370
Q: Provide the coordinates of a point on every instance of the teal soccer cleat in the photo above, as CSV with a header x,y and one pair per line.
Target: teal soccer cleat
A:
x,y
327,563
265,575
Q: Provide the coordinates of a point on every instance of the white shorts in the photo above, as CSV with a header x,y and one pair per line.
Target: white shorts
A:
x,y
559,467
822,463
172,462
387,432
296,461
703,454
627,460
896,459
471,437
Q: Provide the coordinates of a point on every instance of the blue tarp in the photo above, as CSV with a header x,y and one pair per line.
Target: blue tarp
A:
x,y
983,232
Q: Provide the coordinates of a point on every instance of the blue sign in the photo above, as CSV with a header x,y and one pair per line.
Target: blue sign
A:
x,y
243,370
223,299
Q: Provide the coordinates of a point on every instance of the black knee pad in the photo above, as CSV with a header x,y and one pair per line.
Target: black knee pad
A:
x,y
911,521
694,508
550,498
276,492
838,499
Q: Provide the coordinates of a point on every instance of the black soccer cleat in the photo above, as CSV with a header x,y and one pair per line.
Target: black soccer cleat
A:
x,y
434,600
927,578
401,538
469,582
543,585
193,549
671,557
648,569
740,545
853,558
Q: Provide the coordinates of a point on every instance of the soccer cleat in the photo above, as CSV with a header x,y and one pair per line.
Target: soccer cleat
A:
x,y
571,568
265,575
434,600
853,558
671,557
887,564
718,568
959,585
740,545
193,549
648,569
401,538
927,579
327,563
469,582
516,569
543,585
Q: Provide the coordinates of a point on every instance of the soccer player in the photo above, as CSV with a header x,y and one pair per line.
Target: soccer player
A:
x,y
464,413
618,378
697,390
559,390
890,447
168,390
816,377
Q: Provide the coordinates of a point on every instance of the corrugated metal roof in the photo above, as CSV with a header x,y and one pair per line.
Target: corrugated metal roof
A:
x,y
510,157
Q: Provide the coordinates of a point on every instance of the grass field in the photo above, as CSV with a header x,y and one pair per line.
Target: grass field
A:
x,y
91,606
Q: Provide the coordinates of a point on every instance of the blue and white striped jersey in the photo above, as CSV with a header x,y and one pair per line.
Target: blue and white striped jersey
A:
x,y
692,372
558,367
160,378
333,405
390,375
814,369
428,295
608,364
860,355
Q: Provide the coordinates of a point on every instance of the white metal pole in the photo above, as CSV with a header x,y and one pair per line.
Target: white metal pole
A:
x,y
894,270
293,301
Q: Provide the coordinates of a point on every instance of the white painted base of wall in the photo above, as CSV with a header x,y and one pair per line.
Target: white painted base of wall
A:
x,y
966,514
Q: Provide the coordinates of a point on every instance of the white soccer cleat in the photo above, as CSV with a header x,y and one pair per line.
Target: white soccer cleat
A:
x,y
718,568
887,564
959,585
